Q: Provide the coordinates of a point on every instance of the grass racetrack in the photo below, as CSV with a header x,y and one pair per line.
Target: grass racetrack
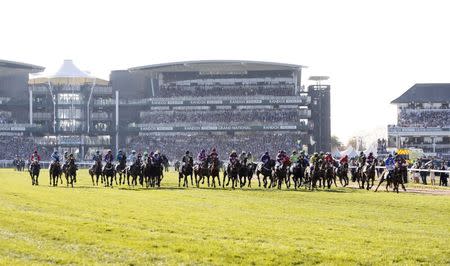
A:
x,y
95,225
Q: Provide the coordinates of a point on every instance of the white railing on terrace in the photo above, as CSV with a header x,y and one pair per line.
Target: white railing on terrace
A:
x,y
38,115
102,90
197,124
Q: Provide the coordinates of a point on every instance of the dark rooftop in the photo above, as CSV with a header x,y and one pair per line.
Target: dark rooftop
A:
x,y
426,93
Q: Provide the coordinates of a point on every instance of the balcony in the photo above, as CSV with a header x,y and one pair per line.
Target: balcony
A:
x,y
102,91
42,116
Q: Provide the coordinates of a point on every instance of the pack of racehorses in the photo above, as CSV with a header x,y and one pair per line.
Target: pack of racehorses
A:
x,y
239,174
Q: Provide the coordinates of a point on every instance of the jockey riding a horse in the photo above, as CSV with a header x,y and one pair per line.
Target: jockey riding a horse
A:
x,y
121,158
109,158
233,158
390,165
202,157
265,159
282,158
187,160
55,159
344,161
214,155
361,161
97,158
243,158
35,158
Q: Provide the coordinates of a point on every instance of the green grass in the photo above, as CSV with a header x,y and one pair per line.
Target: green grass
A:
x,y
87,225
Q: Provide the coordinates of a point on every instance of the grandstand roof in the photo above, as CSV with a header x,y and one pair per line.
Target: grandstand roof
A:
x,y
217,65
11,67
426,93
68,72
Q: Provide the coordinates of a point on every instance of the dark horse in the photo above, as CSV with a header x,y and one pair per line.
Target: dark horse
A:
x,y
109,173
55,173
369,175
185,171
201,170
135,171
121,170
315,175
342,173
265,170
70,172
96,170
233,174
280,175
152,173
251,168
393,178
298,172
214,170
34,170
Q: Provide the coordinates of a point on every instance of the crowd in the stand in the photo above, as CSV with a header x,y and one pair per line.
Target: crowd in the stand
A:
x,y
425,118
5,118
171,90
224,116
175,146
13,146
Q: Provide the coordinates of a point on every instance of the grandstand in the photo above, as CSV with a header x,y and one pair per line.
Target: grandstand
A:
x,y
423,119
14,116
174,107
241,105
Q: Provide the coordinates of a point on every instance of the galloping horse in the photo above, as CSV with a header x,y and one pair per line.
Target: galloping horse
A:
x,y
96,170
71,172
328,175
121,169
369,175
265,171
392,178
232,172
135,171
34,173
280,175
342,173
297,171
251,168
55,173
152,172
214,170
201,170
185,171
315,175
109,173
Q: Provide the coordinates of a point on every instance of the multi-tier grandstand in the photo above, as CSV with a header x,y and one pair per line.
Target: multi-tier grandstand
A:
x,y
173,107
423,119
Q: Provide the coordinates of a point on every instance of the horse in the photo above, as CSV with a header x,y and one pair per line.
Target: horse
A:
x,y
232,172
251,168
165,162
121,169
342,173
297,171
55,173
201,170
280,175
109,173
315,174
134,171
243,173
214,170
185,171
328,175
70,172
265,171
96,170
152,172
369,175
393,178
34,172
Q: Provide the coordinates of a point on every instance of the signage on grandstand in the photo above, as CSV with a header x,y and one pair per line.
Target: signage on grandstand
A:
x,y
218,72
220,128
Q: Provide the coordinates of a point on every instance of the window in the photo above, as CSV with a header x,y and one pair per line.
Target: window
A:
x,y
70,98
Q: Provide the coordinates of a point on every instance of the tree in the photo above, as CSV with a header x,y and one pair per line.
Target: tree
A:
x,y
357,143
335,143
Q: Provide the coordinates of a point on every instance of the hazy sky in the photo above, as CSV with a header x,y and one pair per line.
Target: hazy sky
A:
x,y
372,50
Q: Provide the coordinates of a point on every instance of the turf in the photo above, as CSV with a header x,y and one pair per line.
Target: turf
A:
x,y
95,225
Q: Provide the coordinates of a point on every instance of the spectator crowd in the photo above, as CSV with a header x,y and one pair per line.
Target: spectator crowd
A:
x,y
172,90
440,118
224,116
13,146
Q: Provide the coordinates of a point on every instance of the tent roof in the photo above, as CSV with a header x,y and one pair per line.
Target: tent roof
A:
x,y
68,72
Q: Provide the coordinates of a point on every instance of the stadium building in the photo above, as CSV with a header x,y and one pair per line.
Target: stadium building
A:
x,y
423,119
232,105
173,107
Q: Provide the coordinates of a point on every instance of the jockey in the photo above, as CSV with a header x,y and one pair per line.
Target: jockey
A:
x,y
390,164
294,157
157,157
35,157
150,156
66,156
328,158
97,156
314,158
249,158
265,158
55,157
233,157
145,156
109,158
362,159
202,156
243,157
133,157
370,158
121,157
213,155
187,159
282,157
302,160
344,160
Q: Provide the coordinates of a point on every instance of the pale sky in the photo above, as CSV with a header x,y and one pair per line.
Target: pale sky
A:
x,y
372,50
